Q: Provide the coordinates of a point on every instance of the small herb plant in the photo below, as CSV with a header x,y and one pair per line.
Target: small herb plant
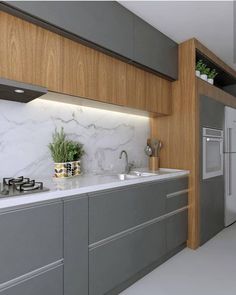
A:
x,y
64,150
199,65
212,74
206,71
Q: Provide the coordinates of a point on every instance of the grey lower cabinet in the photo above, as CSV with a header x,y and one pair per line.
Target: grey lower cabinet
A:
x,y
115,262
92,244
176,230
76,246
133,230
211,208
113,211
30,239
46,283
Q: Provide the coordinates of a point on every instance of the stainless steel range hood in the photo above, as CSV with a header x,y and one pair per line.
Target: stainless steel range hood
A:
x,y
20,92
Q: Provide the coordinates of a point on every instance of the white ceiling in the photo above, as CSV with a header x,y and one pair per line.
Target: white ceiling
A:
x,y
211,22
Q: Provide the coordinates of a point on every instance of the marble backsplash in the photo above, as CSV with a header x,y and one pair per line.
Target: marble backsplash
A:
x,y
26,130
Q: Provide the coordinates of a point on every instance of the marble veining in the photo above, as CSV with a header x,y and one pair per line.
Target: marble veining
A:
x,y
26,129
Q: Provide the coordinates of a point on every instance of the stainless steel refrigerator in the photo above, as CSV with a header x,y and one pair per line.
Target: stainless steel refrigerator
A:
x,y
230,165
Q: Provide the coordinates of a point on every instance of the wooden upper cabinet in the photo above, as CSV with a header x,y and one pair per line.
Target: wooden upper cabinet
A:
x,y
158,95
48,59
136,88
31,54
16,53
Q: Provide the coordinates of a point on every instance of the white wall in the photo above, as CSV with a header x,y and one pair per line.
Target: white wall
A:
x,y
26,129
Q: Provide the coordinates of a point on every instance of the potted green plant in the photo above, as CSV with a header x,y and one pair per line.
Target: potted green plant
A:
x,y
211,76
199,68
66,155
205,72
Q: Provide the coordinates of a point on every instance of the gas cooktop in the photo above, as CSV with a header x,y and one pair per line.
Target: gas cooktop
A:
x,y
11,186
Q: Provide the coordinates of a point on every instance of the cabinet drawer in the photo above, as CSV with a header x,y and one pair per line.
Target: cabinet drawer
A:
x,y
176,185
176,230
30,238
47,283
115,211
176,200
177,194
120,259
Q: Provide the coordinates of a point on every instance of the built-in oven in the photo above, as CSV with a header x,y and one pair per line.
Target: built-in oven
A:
x,y
212,152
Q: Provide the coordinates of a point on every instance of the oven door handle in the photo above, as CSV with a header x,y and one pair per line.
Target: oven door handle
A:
x,y
214,139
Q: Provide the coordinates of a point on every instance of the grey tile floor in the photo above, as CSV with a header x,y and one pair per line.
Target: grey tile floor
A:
x,y
210,270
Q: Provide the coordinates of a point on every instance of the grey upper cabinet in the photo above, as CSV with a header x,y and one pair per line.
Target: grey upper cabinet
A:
x,y
76,246
155,50
30,239
105,23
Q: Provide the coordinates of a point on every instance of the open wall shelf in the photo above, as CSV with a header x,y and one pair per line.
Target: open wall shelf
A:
x,y
223,79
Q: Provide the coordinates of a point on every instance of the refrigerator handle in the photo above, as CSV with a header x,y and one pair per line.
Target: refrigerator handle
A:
x,y
229,175
229,140
228,149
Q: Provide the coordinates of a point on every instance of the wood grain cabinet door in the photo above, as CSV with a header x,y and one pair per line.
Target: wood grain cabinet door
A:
x,y
29,53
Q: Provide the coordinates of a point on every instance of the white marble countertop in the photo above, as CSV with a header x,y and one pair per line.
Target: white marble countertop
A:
x,y
62,188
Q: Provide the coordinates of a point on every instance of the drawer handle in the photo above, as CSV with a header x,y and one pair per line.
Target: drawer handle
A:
x,y
175,194
30,275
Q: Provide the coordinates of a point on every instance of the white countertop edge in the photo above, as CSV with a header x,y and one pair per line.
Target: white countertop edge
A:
x,y
7,203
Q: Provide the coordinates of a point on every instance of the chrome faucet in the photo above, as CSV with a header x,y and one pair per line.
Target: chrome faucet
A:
x,y
128,165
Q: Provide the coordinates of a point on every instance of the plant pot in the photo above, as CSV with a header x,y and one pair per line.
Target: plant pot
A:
x,y
210,80
68,169
204,77
198,74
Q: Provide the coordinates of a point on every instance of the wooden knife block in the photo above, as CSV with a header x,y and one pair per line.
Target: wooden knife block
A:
x,y
154,163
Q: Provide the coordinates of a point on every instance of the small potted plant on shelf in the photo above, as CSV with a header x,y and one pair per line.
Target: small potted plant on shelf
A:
x,y
205,72
211,76
66,155
199,68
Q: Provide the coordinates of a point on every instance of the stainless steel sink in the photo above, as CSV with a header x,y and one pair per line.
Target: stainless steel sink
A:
x,y
135,174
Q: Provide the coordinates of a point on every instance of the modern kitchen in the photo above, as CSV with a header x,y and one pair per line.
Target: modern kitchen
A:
x,y
118,144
